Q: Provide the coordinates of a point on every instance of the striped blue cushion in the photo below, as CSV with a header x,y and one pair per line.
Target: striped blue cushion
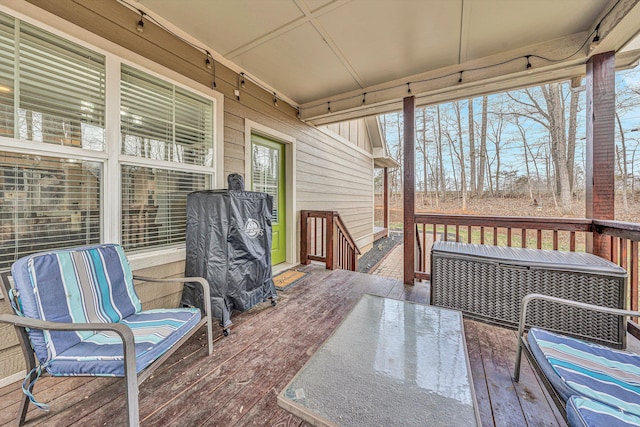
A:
x,y
576,367
155,332
582,412
79,285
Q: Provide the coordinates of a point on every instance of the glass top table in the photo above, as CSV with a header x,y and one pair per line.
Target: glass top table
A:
x,y
389,362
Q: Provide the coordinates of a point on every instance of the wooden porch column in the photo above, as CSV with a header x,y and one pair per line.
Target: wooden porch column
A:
x,y
409,188
600,155
385,199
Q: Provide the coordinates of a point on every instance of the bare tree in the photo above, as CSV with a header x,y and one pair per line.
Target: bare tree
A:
x,y
463,175
523,135
621,160
438,138
483,146
551,115
472,149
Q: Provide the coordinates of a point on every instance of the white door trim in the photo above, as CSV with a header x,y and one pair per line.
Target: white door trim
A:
x,y
251,127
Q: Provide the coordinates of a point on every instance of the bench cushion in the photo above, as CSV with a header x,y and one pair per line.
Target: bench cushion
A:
x,y
155,332
576,367
583,412
79,285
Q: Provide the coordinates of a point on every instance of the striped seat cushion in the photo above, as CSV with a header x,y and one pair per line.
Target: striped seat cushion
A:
x,y
583,412
79,285
155,332
576,367
92,284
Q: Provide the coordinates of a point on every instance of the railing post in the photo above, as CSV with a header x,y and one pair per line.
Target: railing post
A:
x,y
409,109
305,234
329,241
600,147
386,200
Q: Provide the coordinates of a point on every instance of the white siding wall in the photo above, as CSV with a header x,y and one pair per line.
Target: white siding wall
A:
x,y
331,172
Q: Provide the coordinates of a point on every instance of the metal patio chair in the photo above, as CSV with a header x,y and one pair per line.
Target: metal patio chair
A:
x,y
77,314
591,384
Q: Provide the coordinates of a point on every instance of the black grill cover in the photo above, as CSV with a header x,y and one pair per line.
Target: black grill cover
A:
x,y
229,244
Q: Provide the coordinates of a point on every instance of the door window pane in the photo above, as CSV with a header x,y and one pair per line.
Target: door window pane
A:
x,y
264,177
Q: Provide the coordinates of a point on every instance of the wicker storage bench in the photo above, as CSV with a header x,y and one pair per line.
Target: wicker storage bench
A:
x,y
488,282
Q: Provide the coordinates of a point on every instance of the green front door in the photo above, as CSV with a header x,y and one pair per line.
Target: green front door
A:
x,y
268,176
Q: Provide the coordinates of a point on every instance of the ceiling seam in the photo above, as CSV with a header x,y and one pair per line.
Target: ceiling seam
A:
x,y
465,18
283,29
329,41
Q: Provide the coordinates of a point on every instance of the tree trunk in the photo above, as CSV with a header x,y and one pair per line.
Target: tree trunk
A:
x,y
571,140
440,157
523,135
463,175
557,128
621,154
483,147
472,150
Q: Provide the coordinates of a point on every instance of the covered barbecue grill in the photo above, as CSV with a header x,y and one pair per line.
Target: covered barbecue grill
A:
x,y
229,243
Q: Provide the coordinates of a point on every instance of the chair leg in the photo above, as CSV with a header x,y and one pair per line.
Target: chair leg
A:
x,y
516,371
30,363
22,410
131,377
132,399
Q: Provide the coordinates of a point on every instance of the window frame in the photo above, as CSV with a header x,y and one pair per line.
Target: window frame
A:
x,y
111,158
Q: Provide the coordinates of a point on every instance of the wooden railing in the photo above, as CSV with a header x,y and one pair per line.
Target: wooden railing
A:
x,y
624,252
325,238
525,232
568,234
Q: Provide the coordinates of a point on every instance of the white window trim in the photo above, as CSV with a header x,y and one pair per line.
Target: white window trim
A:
x,y
290,174
111,158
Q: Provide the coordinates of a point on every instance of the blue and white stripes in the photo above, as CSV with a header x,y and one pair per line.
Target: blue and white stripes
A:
x,y
92,284
585,412
585,373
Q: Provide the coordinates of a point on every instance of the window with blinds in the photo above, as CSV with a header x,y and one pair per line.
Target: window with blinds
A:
x,y
161,121
154,205
7,61
46,203
61,88
53,92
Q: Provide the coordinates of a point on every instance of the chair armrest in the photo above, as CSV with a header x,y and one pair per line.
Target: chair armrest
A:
x,y
206,293
122,330
26,322
530,297
200,280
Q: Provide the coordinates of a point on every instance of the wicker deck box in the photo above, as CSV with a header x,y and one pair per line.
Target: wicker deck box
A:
x,y
488,282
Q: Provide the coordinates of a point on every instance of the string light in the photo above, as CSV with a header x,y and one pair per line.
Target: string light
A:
x,y
595,42
140,26
210,63
213,61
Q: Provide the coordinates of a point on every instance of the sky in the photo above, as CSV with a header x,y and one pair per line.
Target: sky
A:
x,y
512,158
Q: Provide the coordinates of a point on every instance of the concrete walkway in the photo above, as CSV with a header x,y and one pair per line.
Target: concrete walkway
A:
x,y
391,266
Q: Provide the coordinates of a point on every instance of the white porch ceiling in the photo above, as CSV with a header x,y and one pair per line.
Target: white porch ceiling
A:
x,y
314,51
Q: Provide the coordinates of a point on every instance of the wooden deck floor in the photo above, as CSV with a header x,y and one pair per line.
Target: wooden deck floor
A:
x,y
238,384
